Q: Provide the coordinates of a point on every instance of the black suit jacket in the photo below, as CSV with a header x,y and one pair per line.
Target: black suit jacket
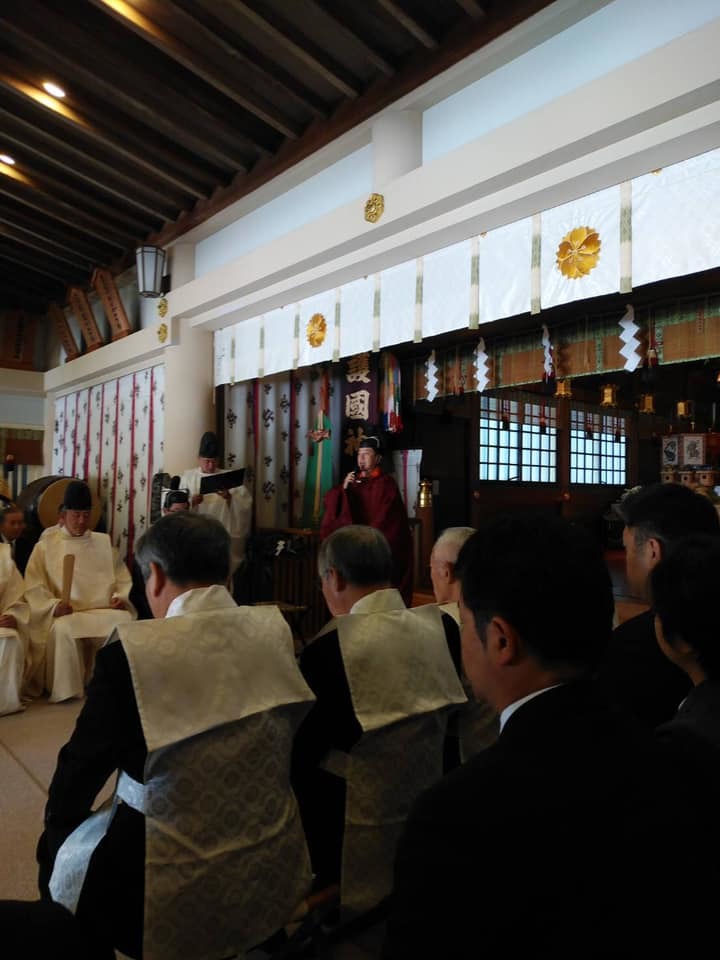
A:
x,y
564,839
331,724
108,737
638,677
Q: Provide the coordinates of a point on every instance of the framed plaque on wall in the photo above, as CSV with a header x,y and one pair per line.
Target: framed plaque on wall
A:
x,y
693,449
670,451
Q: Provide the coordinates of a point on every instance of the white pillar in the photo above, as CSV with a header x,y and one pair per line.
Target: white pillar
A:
x,y
181,264
189,409
397,145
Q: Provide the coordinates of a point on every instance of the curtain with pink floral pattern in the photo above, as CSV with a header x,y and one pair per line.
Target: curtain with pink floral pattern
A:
x,y
111,436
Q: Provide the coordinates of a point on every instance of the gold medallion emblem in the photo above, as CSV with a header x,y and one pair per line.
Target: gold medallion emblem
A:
x,y
162,332
579,252
374,207
162,307
316,330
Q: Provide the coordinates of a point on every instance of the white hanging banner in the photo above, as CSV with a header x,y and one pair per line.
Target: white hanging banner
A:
x,y
279,331
356,316
676,220
581,249
505,257
446,289
397,303
245,348
317,321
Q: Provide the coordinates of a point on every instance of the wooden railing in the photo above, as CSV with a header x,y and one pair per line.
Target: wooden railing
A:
x,y
283,567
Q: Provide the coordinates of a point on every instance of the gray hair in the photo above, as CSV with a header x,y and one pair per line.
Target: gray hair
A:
x,y
361,555
188,547
453,539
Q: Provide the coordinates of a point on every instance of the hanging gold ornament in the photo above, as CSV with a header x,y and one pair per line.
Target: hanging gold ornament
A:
x,y
563,390
316,330
579,252
647,403
375,207
608,395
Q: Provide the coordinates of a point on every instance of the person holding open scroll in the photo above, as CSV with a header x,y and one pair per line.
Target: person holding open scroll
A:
x,y
77,589
220,494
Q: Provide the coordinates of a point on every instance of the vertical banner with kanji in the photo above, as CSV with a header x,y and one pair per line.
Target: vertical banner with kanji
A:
x,y
360,411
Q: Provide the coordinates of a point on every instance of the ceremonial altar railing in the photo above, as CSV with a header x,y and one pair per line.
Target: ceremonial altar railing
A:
x,y
282,567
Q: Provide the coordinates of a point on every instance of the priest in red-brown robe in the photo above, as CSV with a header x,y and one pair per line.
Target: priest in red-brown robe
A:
x,y
369,496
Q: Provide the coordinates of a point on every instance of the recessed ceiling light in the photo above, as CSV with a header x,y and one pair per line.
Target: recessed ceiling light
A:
x,y
6,158
54,90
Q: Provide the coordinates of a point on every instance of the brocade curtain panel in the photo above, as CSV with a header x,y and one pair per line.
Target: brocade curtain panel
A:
x,y
266,426
111,436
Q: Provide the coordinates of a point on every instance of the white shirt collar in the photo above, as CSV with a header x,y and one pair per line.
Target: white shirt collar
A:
x,y
379,601
200,598
512,707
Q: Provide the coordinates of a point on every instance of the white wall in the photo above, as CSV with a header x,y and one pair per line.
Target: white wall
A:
x,y
610,38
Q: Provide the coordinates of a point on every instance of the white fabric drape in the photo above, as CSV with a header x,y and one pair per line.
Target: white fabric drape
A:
x,y
111,435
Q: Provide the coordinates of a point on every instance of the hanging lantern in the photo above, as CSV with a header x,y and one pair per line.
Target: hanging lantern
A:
x,y
683,409
608,395
647,403
563,390
150,270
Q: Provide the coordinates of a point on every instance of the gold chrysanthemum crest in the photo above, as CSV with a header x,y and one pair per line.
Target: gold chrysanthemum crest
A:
x,y
316,330
579,252
375,207
162,333
162,307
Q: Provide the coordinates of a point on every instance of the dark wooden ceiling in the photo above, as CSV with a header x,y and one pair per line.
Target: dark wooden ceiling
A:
x,y
176,108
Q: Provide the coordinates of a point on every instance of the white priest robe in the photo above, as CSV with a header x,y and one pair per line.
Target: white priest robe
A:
x,y
14,643
235,514
63,647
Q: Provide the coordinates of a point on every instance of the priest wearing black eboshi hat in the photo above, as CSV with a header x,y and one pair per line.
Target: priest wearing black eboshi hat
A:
x,y
231,504
73,609
371,497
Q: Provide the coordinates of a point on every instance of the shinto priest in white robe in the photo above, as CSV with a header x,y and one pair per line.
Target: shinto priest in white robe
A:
x,y
60,664
14,643
234,514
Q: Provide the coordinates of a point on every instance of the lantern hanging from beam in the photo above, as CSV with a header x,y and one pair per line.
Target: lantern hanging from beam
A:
x,y
150,270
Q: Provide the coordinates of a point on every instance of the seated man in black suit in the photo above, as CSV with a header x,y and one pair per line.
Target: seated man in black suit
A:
x,y
375,665
635,674
196,710
687,624
564,837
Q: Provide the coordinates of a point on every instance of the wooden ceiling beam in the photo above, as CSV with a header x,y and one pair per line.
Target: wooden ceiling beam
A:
x,y
25,295
53,149
409,23
156,22
98,69
223,23
328,8
73,218
381,95
91,125
17,235
283,33
33,266
85,203
473,9
67,240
